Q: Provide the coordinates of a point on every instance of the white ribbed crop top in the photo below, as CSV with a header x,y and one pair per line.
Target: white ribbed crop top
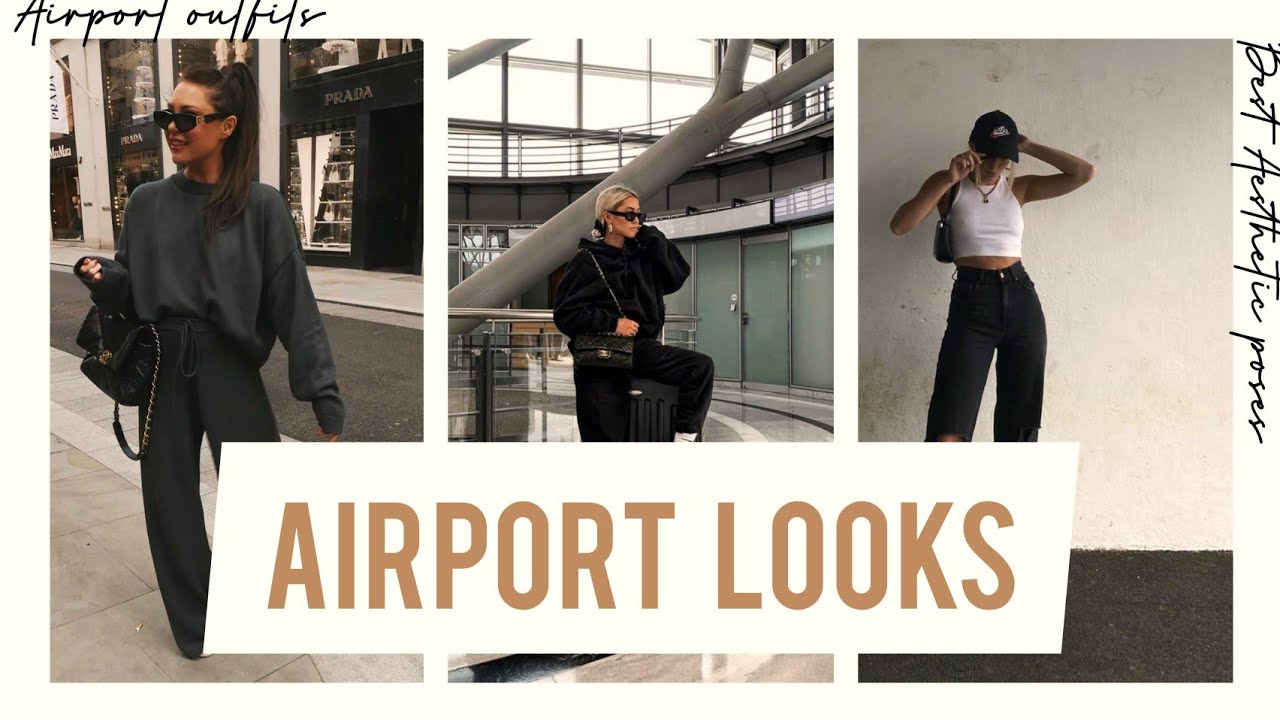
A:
x,y
992,228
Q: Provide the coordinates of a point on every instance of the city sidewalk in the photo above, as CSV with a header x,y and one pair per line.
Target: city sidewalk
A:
x,y
106,617
393,292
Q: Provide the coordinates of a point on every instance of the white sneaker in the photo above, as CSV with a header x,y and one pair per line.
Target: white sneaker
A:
x,y
686,437
205,655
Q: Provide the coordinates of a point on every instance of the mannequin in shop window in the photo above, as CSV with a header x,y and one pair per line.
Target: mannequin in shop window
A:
x,y
214,260
326,214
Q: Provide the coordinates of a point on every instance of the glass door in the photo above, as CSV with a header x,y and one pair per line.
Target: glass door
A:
x,y
765,272
719,305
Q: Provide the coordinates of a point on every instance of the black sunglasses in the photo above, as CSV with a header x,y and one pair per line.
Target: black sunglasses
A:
x,y
630,215
184,122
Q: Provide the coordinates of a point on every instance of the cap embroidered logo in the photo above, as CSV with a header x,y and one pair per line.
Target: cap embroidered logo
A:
x,y
1000,131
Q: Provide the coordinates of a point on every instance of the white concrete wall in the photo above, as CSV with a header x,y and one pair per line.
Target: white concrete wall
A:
x,y
1133,270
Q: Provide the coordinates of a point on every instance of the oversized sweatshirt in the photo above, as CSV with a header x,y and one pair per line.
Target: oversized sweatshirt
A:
x,y
250,281
640,273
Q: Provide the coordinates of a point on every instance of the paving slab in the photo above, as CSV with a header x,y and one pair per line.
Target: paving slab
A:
x,y
369,668
126,541
70,462
300,670
154,637
99,648
83,501
85,578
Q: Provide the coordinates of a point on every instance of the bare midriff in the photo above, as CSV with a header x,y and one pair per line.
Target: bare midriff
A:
x,y
986,262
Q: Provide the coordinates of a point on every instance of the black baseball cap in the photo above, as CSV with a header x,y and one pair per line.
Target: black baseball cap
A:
x,y
995,134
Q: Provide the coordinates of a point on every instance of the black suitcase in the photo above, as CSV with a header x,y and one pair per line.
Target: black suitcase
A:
x,y
651,411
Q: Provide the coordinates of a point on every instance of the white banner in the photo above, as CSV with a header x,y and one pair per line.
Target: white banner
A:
x,y
1255,322
874,548
57,100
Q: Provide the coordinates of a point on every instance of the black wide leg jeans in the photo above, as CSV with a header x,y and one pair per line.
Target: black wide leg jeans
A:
x,y
993,312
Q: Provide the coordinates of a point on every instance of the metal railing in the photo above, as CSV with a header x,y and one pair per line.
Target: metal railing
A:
x,y
479,149
512,378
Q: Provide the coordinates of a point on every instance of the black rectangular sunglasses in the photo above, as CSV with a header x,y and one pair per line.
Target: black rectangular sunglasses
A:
x,y
629,215
184,122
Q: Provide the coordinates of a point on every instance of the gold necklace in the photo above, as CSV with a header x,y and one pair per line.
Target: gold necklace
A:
x,y
987,195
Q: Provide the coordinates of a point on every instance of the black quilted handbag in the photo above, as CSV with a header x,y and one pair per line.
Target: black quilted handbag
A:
x,y
604,350
122,358
942,235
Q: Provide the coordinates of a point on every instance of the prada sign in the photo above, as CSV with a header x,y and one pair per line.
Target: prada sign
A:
x,y
318,97
338,97
131,139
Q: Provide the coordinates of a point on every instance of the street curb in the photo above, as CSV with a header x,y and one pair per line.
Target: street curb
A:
x,y
348,303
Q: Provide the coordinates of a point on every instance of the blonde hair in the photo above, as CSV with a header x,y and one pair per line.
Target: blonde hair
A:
x,y
1009,174
609,199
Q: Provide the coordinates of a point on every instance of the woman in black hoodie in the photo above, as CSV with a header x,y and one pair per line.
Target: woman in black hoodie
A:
x,y
640,267
213,259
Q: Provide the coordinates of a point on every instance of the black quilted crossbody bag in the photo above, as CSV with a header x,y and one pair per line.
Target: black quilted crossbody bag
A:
x,y
122,358
604,350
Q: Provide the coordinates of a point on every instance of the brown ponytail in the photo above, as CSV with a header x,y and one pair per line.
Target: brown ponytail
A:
x,y
232,90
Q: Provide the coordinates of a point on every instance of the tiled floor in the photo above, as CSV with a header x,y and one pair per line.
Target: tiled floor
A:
x,y
107,622
735,415
641,668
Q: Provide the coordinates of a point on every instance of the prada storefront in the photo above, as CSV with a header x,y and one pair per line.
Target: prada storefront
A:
x,y
133,140
64,175
351,151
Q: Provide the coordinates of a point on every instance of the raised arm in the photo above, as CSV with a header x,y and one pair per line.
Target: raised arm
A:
x,y
669,265
1075,173
914,211
107,279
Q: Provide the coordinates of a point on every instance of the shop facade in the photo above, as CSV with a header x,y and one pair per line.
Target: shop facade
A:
x,y
66,214
351,146
347,156
133,140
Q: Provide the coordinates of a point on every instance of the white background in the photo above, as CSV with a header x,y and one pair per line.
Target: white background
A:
x,y
25,661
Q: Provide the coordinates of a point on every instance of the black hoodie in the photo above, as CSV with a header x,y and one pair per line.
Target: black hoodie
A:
x,y
640,273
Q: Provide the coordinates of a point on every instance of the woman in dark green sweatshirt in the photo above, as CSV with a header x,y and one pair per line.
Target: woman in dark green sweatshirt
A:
x,y
214,260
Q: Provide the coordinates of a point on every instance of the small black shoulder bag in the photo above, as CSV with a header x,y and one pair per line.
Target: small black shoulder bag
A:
x,y
604,350
942,235
122,358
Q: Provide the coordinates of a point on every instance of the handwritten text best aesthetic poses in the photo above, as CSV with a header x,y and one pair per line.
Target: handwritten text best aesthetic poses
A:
x,y
1265,60
39,10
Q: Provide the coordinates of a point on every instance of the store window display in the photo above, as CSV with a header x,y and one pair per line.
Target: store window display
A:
x,y
133,140
129,69
66,214
311,59
218,53
322,183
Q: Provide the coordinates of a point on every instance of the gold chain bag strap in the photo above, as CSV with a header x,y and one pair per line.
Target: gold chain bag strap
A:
x,y
151,406
604,350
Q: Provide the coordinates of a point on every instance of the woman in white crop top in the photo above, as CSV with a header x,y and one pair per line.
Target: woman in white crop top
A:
x,y
994,309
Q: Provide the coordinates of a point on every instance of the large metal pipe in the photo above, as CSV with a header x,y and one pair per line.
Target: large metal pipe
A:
x,y
555,241
480,53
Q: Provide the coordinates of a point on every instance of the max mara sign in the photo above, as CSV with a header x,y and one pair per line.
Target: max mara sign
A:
x,y
339,97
